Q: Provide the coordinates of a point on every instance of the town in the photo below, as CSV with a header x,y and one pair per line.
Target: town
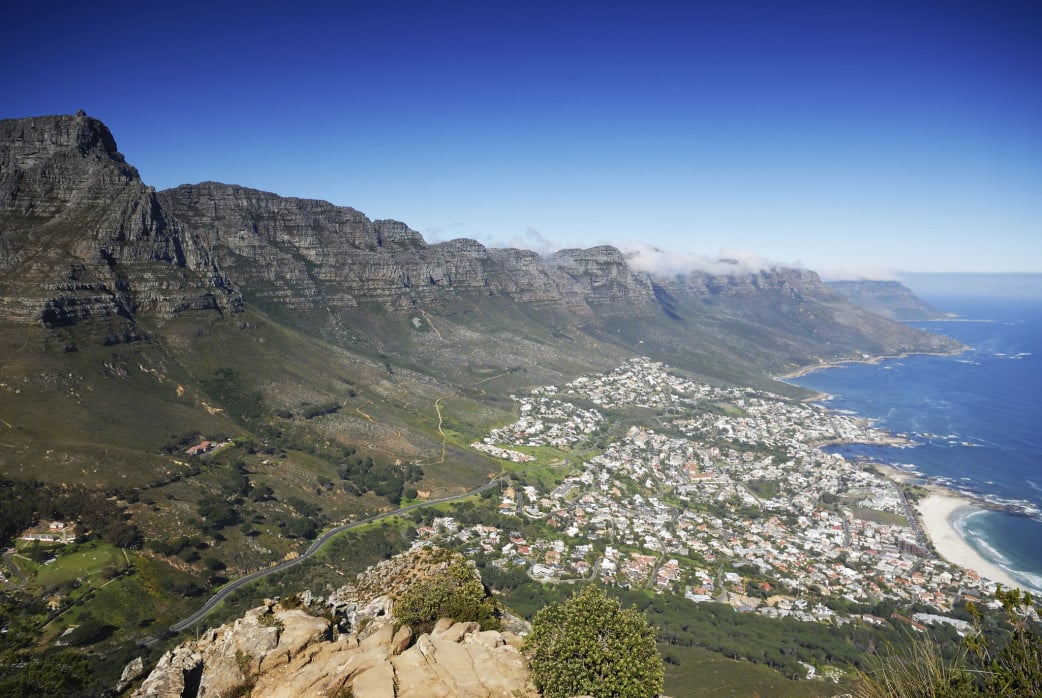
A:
x,y
714,493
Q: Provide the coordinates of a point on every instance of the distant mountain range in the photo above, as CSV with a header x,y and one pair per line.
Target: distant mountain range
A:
x,y
891,299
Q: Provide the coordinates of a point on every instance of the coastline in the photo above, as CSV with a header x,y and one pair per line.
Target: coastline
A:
x,y
938,512
870,360
942,510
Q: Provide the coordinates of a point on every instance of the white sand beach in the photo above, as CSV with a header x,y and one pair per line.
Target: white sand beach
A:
x,y
936,511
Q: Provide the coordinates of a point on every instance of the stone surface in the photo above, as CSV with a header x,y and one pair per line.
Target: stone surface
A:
x,y
290,653
176,674
83,237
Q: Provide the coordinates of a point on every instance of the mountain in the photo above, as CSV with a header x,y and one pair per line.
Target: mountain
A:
x,y
209,375
84,238
891,299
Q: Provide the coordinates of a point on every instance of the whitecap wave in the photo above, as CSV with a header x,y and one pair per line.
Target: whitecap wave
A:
x,y
1032,581
981,544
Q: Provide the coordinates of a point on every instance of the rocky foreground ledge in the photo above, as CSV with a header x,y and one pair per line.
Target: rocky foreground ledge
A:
x,y
283,650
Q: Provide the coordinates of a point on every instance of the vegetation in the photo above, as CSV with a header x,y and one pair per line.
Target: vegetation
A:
x,y
590,645
457,593
693,672
1004,663
28,502
226,386
57,673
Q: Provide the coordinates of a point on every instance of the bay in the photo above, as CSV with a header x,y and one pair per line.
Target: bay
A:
x,y
974,420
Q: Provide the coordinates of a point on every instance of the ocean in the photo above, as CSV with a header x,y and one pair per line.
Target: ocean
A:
x,y
975,421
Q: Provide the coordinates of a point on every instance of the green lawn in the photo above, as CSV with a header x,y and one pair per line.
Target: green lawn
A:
x,y
86,561
880,517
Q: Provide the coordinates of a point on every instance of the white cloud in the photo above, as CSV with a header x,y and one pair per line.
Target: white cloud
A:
x,y
867,273
654,260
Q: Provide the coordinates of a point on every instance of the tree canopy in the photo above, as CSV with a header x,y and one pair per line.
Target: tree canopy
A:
x,y
590,645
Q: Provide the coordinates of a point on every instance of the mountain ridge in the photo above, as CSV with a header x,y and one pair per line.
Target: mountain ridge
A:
x,y
215,236
889,298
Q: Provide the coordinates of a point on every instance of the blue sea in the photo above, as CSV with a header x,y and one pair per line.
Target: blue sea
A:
x,y
975,420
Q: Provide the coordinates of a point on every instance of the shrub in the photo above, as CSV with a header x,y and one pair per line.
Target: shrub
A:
x,y
590,645
1010,667
456,593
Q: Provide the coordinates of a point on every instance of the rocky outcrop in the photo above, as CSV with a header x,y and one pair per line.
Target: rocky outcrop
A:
x,y
748,284
454,659
283,650
83,237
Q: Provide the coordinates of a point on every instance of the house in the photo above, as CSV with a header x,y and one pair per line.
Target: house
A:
x,y
52,532
201,448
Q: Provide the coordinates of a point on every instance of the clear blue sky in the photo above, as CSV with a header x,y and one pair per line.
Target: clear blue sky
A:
x,y
836,134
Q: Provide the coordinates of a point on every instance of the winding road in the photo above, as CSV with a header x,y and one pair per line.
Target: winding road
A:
x,y
229,588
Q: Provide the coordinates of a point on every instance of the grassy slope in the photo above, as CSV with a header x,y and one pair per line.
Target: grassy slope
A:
x,y
411,386
694,672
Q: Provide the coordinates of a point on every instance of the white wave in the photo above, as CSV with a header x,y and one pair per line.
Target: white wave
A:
x,y
1032,581
986,549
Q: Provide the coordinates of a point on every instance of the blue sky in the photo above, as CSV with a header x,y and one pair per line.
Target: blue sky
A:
x,y
860,136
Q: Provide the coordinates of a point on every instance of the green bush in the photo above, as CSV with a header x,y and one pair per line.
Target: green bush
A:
x,y
456,593
590,645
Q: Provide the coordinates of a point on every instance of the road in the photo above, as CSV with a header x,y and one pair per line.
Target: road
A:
x,y
232,586
14,565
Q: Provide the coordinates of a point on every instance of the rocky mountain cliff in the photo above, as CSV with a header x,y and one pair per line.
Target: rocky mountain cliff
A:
x,y
307,254
83,237
891,299
346,644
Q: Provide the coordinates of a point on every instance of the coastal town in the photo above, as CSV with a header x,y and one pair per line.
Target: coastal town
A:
x,y
714,493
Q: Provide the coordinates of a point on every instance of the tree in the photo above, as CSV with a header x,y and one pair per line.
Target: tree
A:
x,y
590,645
1016,668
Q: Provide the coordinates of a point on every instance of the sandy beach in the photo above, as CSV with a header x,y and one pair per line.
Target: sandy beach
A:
x,y
936,511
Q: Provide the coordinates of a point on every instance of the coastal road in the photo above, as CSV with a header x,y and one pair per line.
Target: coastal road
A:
x,y
232,586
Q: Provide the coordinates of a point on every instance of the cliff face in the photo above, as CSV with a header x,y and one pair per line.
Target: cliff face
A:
x,y
307,254
83,237
747,284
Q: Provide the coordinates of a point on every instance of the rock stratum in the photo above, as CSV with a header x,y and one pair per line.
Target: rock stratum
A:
x,y
84,238
351,648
